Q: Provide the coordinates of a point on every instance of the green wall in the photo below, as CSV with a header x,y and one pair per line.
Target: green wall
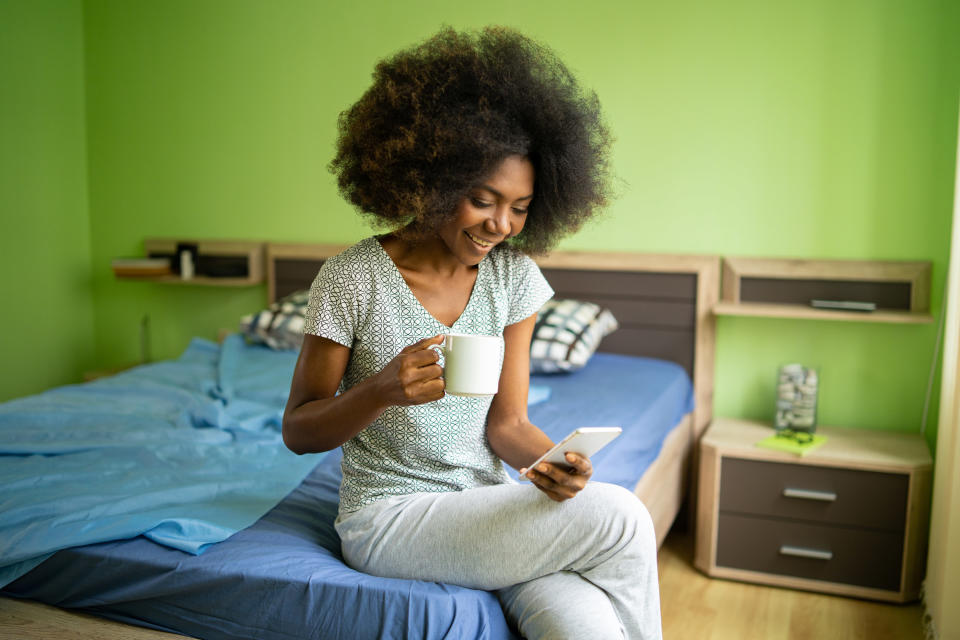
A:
x,y
46,331
816,129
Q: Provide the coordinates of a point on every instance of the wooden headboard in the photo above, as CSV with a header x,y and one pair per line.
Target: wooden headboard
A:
x,y
662,302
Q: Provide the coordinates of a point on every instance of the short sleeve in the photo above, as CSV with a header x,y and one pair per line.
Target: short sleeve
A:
x,y
529,290
333,302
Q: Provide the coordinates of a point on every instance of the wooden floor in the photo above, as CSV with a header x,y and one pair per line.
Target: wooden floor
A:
x,y
694,607
34,621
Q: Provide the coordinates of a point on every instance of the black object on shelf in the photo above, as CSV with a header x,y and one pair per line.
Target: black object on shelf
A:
x,y
208,266
223,266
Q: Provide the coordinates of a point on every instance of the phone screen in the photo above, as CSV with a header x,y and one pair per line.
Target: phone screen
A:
x,y
585,441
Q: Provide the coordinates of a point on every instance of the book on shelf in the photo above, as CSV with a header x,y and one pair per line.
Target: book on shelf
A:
x,y
140,267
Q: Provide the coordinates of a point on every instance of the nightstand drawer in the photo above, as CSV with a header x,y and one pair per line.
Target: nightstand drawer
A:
x,y
817,552
829,495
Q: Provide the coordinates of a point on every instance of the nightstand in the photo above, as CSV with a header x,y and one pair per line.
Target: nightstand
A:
x,y
849,518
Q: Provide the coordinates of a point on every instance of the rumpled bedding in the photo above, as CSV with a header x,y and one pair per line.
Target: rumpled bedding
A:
x,y
283,577
184,452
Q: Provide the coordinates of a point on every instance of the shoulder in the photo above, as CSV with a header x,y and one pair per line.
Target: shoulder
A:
x,y
350,263
356,255
348,274
509,263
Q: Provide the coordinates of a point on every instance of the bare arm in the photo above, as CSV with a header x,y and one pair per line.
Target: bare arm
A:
x,y
512,436
317,419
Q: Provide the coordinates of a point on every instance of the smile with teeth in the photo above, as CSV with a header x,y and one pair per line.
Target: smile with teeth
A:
x,y
479,241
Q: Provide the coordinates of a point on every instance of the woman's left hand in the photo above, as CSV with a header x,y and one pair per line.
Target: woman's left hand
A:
x,y
561,483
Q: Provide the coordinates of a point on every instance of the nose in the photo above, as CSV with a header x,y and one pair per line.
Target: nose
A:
x,y
499,222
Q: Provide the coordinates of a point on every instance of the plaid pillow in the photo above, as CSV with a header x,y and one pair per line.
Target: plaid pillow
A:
x,y
279,326
567,333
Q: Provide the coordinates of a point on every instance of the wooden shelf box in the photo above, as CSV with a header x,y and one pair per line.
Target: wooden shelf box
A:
x,y
768,287
243,257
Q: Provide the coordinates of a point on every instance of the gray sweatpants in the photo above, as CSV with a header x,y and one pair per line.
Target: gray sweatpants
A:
x,y
582,568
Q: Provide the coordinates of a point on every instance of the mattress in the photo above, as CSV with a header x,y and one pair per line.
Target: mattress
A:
x,y
283,577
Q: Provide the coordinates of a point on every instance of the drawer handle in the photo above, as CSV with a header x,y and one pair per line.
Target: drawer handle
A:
x,y
807,494
800,552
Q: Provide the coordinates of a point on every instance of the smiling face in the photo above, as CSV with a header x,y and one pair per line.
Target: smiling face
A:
x,y
492,211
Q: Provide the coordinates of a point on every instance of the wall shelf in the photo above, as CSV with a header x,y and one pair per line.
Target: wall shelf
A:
x,y
783,288
245,257
801,312
197,280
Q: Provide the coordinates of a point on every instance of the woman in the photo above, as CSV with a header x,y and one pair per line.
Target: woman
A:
x,y
474,150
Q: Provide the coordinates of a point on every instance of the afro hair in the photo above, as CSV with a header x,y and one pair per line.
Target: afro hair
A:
x,y
441,116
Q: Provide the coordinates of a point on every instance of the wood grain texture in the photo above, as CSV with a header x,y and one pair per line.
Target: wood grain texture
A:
x,y
804,312
252,251
664,484
868,449
853,449
28,620
783,275
695,606
870,270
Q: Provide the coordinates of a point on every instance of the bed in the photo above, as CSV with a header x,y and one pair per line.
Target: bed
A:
x,y
282,576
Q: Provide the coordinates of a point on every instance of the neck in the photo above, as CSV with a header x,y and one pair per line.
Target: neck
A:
x,y
425,254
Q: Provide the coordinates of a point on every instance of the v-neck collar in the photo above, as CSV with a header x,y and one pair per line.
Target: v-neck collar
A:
x,y
402,282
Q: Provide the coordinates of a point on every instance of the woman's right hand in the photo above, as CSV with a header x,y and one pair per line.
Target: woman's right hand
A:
x,y
413,377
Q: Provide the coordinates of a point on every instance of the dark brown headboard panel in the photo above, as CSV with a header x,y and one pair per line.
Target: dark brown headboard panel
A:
x,y
293,275
662,302
657,312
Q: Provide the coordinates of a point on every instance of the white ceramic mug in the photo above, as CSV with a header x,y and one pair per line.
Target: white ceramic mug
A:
x,y
471,364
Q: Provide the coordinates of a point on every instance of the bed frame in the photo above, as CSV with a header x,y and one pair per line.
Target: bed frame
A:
x,y
664,306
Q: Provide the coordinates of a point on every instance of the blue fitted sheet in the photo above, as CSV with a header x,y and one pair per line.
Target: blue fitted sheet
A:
x,y
283,577
644,396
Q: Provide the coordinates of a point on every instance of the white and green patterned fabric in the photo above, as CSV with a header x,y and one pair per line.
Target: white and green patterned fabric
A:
x,y
360,300
567,333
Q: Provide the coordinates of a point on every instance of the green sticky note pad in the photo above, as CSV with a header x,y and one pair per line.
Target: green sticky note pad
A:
x,y
790,445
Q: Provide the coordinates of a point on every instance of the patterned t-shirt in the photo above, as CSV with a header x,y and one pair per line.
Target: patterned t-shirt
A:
x,y
360,300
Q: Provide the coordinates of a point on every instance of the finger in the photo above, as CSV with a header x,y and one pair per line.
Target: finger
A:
x,y
553,489
557,473
423,344
541,481
417,375
529,474
541,477
581,464
431,390
557,495
565,481
422,358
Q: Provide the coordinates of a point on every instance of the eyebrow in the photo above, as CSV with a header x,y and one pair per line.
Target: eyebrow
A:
x,y
486,187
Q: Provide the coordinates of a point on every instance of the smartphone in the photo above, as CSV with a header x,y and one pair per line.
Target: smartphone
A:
x,y
585,441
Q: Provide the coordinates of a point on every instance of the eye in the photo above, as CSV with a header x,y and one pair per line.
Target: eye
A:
x,y
478,203
520,211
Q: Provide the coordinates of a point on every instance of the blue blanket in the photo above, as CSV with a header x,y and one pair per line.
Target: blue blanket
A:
x,y
185,452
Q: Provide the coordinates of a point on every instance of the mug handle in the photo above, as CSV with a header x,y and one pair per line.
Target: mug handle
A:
x,y
442,350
